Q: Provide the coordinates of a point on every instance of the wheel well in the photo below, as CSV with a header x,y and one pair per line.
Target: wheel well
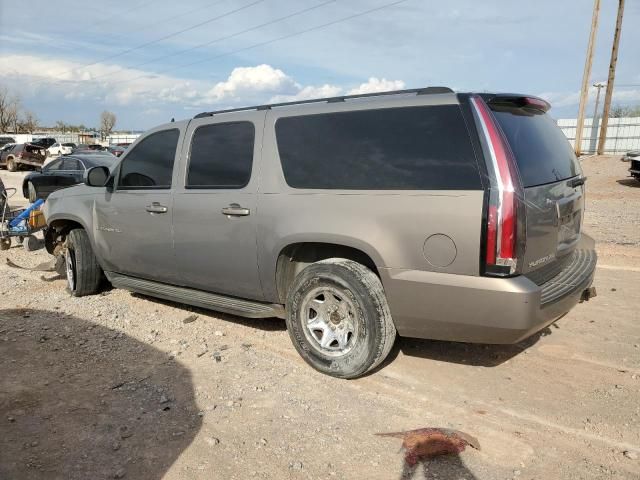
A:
x,y
56,233
295,257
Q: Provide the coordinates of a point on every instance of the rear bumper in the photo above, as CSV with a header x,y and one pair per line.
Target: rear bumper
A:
x,y
482,309
33,163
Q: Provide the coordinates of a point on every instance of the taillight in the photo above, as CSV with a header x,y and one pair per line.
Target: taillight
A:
x,y
501,241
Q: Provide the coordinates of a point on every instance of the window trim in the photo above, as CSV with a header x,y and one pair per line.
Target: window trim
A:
x,y
219,187
118,183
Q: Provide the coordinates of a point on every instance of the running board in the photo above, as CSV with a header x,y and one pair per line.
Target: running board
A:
x,y
198,298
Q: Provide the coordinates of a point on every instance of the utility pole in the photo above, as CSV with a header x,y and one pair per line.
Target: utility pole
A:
x,y
594,122
612,73
584,91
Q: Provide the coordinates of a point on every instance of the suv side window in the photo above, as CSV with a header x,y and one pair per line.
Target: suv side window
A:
x,y
407,148
150,164
221,156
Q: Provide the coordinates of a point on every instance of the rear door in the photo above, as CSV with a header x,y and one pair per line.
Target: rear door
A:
x,y
215,207
132,221
552,181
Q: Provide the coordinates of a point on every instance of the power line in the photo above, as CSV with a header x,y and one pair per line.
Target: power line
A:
x,y
120,13
173,17
165,37
219,39
267,42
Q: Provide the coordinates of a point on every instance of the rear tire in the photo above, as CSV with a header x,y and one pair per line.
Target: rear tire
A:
x,y
82,269
12,166
338,318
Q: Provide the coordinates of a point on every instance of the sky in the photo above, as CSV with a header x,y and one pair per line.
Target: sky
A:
x,y
150,61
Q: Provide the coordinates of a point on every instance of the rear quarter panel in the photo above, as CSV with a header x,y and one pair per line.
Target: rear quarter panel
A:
x,y
390,226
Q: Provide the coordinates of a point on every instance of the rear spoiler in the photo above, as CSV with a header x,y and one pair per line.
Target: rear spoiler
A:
x,y
516,100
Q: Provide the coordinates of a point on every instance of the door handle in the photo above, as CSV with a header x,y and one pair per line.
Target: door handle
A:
x,y
236,210
155,207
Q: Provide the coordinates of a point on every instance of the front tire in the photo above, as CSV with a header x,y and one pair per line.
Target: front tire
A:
x,y
338,318
81,266
12,166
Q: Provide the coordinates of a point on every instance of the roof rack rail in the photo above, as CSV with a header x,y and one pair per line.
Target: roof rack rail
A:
x,y
417,91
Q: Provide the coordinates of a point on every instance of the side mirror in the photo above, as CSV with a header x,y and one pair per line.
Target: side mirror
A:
x,y
96,176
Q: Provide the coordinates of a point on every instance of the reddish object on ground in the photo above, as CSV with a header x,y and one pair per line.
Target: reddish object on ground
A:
x,y
426,443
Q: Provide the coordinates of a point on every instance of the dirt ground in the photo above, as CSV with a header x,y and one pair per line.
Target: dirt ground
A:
x,y
124,386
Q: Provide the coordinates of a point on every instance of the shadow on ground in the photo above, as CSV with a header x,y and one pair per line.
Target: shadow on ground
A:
x,y
479,355
79,401
629,182
446,467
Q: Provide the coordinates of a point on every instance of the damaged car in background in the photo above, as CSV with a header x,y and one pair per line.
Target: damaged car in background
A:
x,y
23,155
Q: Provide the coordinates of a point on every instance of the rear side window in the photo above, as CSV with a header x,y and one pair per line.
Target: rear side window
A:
x,y
150,164
412,148
542,152
71,164
221,156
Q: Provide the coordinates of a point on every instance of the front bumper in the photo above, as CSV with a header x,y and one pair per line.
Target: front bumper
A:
x,y
482,309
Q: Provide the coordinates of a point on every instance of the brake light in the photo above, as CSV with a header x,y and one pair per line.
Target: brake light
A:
x,y
537,103
501,255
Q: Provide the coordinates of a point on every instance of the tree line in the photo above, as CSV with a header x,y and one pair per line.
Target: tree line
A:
x,y
14,118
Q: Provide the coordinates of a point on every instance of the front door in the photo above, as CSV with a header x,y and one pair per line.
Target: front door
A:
x,y
214,212
133,219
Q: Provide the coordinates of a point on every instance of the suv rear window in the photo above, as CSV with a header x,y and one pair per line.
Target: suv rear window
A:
x,y
411,148
542,152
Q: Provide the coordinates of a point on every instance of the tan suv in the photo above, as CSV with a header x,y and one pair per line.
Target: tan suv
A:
x,y
424,213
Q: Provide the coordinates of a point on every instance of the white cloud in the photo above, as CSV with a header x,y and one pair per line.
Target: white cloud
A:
x,y
308,93
112,86
377,85
250,81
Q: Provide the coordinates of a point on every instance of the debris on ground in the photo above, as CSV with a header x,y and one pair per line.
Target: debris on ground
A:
x,y
426,443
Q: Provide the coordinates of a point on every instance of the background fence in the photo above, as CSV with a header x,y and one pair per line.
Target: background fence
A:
x,y
76,138
623,134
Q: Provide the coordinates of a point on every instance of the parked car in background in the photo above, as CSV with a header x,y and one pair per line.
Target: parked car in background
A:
x,y
88,146
45,142
6,140
23,154
634,158
424,213
61,173
116,150
70,145
58,149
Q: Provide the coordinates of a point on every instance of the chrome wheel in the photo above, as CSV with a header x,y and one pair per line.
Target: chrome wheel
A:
x,y
330,321
70,269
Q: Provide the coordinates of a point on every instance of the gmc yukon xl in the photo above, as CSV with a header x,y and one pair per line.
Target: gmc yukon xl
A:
x,y
420,213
